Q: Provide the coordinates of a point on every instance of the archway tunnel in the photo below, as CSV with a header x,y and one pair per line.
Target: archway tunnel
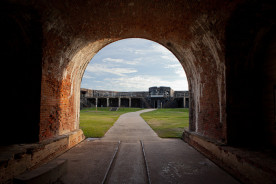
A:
x,y
227,49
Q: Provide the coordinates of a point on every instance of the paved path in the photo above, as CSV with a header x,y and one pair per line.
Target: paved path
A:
x,y
131,152
131,127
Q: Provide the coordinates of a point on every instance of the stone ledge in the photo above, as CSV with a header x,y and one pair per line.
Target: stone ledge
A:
x,y
246,165
16,159
45,174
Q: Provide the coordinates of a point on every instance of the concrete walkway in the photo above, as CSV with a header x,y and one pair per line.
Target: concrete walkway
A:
x,y
131,152
131,127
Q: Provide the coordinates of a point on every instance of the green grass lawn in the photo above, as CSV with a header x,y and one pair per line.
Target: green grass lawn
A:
x,y
168,123
96,123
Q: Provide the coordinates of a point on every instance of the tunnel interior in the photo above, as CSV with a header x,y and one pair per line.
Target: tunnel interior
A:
x,y
227,49
250,76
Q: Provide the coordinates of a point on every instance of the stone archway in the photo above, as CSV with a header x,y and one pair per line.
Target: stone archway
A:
x,y
48,44
73,40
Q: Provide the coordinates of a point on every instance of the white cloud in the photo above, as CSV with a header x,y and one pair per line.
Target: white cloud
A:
x,y
153,48
177,69
160,49
152,64
135,51
172,66
180,72
170,57
143,82
120,61
100,68
86,76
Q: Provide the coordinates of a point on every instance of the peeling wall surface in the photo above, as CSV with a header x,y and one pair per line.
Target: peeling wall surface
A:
x,y
219,43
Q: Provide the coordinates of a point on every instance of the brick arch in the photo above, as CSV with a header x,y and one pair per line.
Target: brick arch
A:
x,y
47,44
72,38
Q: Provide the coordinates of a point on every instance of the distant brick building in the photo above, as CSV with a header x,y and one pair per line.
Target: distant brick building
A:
x,y
156,97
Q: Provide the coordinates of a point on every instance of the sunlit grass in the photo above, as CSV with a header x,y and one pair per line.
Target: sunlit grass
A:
x,y
96,123
168,123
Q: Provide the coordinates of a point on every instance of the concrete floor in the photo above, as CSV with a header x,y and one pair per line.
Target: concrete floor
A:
x,y
131,152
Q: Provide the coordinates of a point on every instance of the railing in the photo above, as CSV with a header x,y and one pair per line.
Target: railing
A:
x,y
117,96
156,96
179,95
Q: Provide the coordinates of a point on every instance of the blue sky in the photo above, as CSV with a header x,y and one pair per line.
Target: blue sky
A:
x,y
134,65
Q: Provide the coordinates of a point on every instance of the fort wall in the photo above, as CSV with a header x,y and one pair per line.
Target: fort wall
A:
x,y
156,97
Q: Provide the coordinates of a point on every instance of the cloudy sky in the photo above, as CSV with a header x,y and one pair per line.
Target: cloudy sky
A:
x,y
134,65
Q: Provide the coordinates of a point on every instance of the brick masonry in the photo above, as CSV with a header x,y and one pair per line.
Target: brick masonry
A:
x,y
16,159
227,49
200,50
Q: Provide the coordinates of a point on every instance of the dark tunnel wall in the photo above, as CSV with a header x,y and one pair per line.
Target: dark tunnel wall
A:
x,y
268,95
247,35
21,55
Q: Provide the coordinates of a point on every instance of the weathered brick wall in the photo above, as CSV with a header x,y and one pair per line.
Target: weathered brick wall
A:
x,y
227,49
73,33
197,32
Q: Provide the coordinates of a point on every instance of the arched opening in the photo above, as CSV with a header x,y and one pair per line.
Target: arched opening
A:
x,y
122,74
65,59
64,36
134,65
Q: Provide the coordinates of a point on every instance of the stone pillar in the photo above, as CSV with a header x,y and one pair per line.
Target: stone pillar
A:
x,y
158,104
129,102
107,102
119,102
184,102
